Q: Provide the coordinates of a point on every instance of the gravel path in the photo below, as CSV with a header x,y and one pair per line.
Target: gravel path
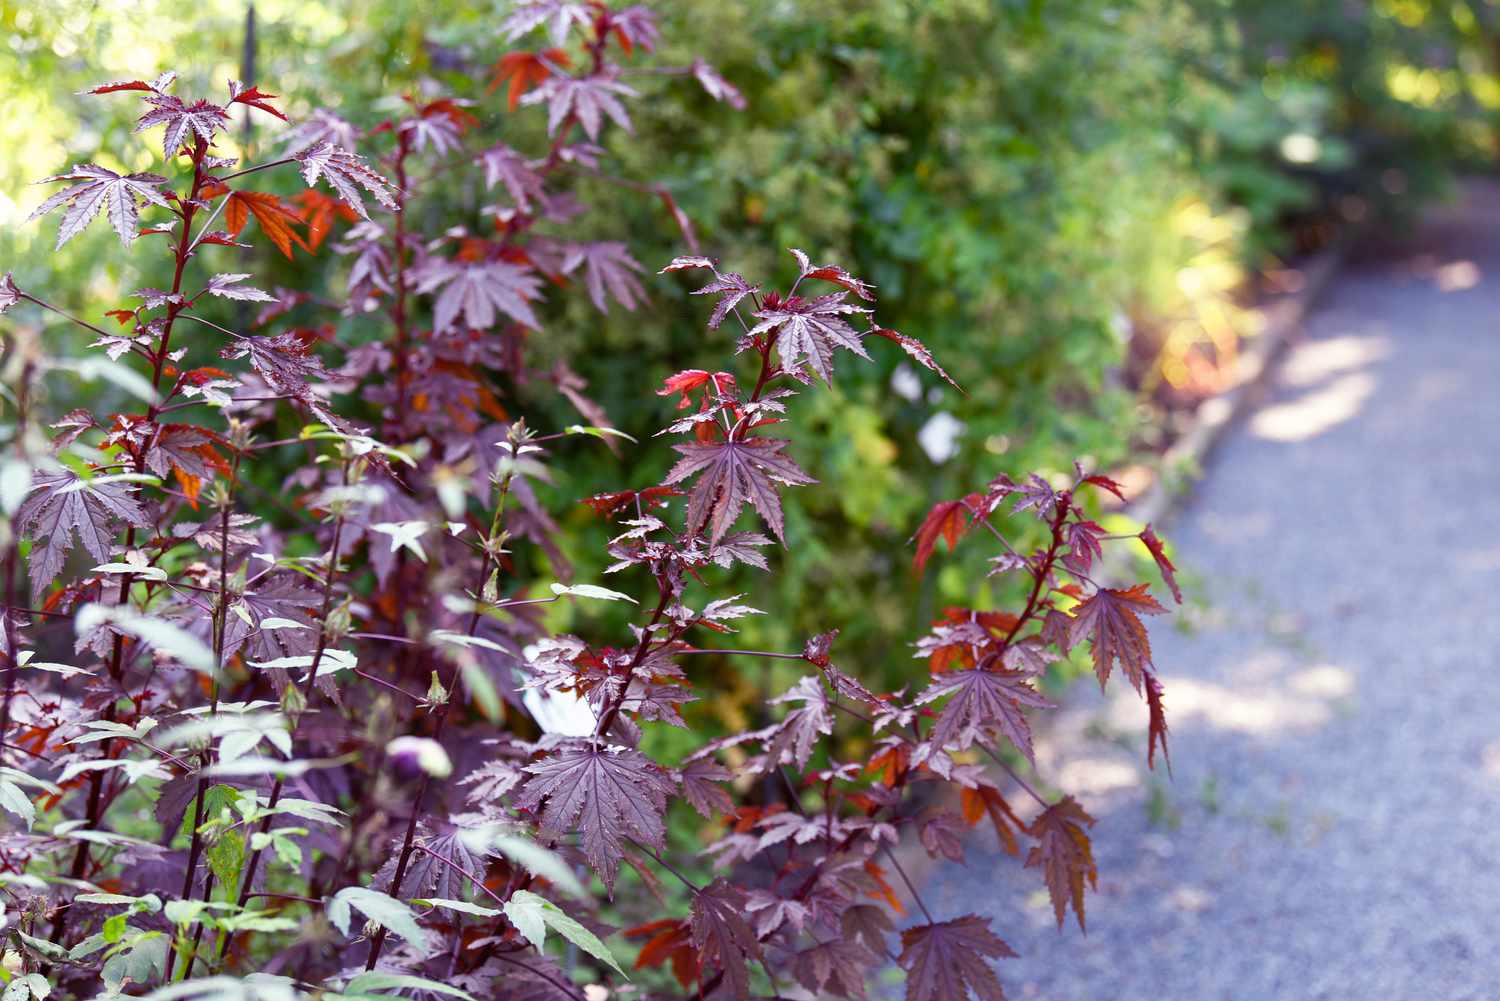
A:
x,y
1334,697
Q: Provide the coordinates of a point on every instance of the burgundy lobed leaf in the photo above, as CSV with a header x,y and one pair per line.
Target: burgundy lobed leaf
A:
x,y
503,165
1111,620
949,960
588,100
607,266
984,702
63,506
917,351
252,97
9,294
722,936
1157,730
732,474
605,794
730,287
716,86
478,291
558,16
808,331
1065,855
229,287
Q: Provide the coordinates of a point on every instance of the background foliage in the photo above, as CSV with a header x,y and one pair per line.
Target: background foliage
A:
x,y
1030,185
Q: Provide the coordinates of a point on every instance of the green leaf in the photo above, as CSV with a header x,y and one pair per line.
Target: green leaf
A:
x,y
591,591
378,907
533,915
598,432
175,641
462,906
375,980
226,856
533,857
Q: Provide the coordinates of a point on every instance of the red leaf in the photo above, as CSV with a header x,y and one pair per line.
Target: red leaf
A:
x,y
670,939
276,218
809,331
918,352
1158,726
986,800
1159,554
252,96
1110,619
950,520
683,382
1065,855
946,961
524,70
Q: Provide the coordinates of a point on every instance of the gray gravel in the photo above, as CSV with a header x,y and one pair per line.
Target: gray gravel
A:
x,y
1331,829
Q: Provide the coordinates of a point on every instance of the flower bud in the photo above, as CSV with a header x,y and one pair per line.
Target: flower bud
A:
x,y
413,756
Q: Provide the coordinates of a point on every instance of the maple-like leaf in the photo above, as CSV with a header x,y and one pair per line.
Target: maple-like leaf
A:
x,y
635,25
524,70
793,740
700,787
276,218
607,266
440,124
101,187
285,361
318,212
1111,619
721,934
182,120
983,702
478,291
229,287
1065,855
427,876
730,287
1083,544
253,617
345,173
949,960
605,794
559,16
252,97
668,940
587,99
63,505
949,520
1163,563
187,451
734,472
810,330
503,165
9,294
716,86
